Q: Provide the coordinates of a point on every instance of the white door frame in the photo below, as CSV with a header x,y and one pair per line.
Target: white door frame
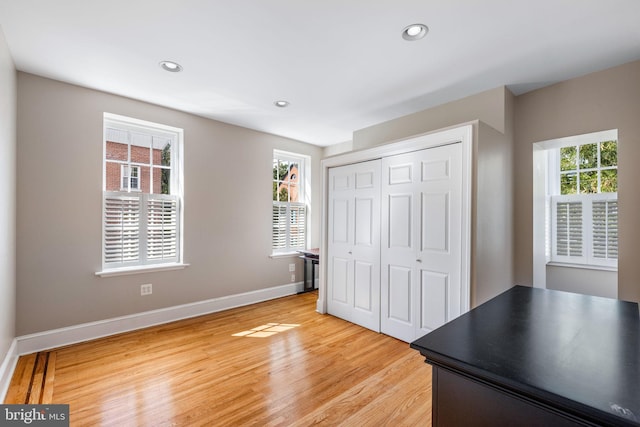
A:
x,y
462,134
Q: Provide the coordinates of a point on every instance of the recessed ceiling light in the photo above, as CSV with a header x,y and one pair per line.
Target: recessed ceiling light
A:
x,y
171,66
415,32
281,104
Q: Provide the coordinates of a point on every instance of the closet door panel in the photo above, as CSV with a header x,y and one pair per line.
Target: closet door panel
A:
x,y
363,281
422,225
364,221
397,249
340,221
434,222
441,235
400,221
353,291
399,295
340,216
340,280
434,287
366,245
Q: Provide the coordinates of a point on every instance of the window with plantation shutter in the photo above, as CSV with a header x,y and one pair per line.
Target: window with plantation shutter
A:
x,y
584,204
141,194
290,207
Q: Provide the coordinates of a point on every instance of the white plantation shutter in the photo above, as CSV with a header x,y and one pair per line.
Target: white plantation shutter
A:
x,y
605,229
162,227
569,229
133,222
121,228
585,229
297,225
279,221
289,226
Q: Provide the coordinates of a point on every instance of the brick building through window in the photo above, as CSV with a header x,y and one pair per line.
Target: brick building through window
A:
x,y
117,167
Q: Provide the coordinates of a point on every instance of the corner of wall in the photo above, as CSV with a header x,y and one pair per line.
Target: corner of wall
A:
x,y
336,149
494,231
8,146
7,367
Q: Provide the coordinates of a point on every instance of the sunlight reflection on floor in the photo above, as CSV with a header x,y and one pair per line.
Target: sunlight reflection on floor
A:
x,y
266,330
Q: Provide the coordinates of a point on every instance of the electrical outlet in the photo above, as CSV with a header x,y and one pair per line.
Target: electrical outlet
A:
x,y
292,267
293,277
146,289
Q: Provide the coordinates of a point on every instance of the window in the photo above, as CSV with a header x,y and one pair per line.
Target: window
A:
x,y
141,193
290,207
583,185
130,178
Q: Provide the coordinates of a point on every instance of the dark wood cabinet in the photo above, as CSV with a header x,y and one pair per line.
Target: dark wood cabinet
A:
x,y
537,357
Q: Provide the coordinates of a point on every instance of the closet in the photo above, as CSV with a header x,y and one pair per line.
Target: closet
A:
x,y
397,235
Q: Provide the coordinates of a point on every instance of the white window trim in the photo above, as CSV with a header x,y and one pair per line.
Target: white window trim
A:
x,y
581,266
304,193
125,271
177,186
549,160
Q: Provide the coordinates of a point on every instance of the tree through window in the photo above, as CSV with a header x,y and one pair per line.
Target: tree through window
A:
x,y
589,168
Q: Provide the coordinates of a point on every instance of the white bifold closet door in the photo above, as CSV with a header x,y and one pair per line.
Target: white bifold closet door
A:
x,y
353,291
421,241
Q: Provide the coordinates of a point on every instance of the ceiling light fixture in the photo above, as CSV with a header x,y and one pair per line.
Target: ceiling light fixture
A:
x,y
281,104
171,66
414,32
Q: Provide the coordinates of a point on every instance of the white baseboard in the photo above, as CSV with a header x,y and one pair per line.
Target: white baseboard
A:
x,y
7,367
47,340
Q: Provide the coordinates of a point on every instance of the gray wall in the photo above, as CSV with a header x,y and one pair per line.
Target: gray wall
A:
x,y
607,99
600,283
8,194
488,107
227,201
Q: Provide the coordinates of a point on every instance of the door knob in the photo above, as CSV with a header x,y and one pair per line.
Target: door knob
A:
x,y
418,260
350,252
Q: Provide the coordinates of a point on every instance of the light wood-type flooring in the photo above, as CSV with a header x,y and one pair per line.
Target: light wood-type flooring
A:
x,y
277,363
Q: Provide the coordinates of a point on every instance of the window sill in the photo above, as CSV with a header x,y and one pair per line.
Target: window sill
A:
x,y
582,266
138,269
285,255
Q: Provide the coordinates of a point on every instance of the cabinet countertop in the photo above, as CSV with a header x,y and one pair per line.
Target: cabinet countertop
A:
x,y
577,353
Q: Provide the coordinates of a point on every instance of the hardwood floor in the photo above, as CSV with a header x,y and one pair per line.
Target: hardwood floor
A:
x,y
277,363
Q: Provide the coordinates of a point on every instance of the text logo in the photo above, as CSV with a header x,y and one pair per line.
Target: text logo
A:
x,y
34,415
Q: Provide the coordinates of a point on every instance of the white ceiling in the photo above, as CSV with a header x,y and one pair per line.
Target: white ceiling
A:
x,y
342,64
